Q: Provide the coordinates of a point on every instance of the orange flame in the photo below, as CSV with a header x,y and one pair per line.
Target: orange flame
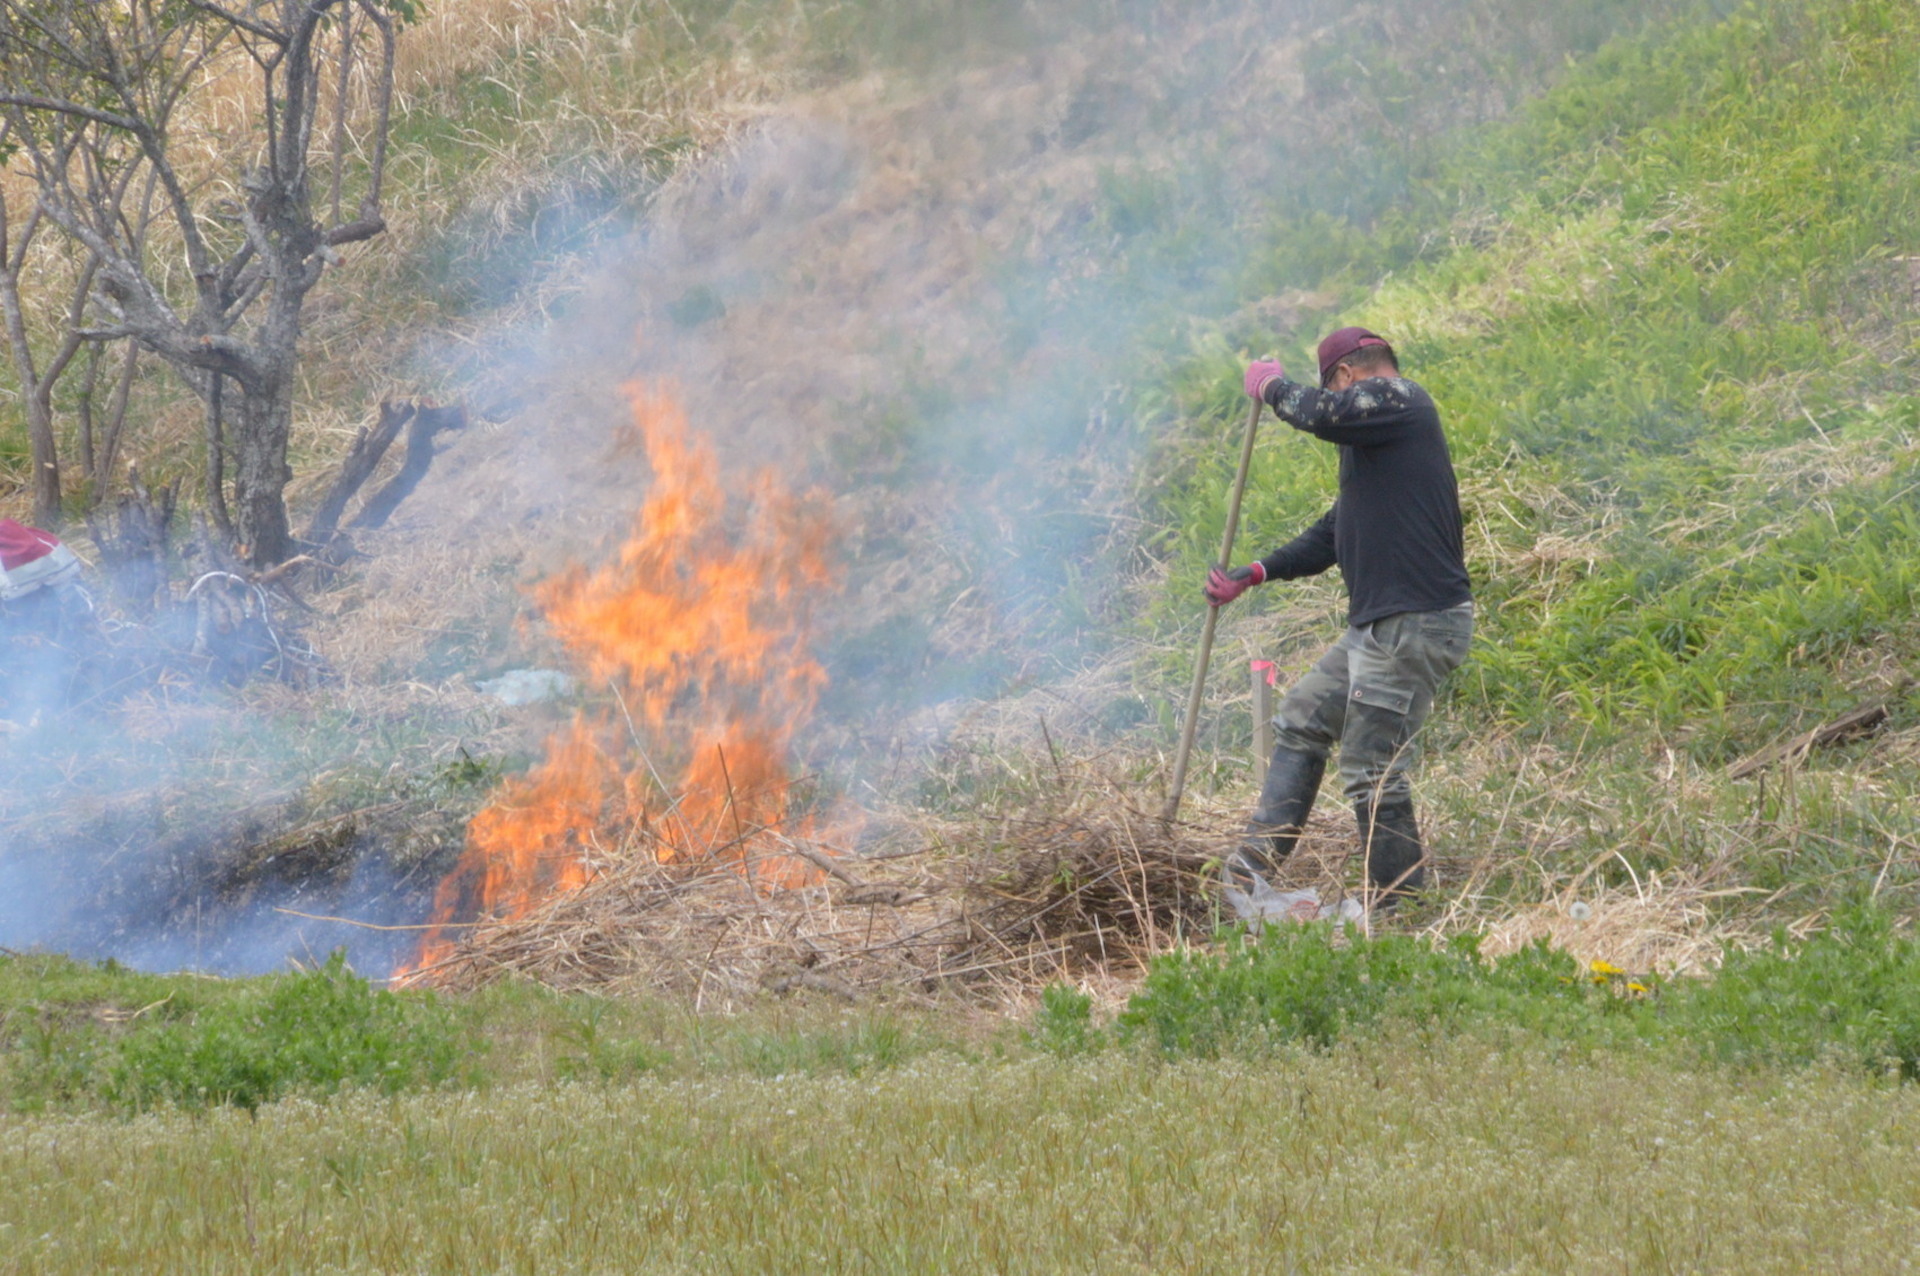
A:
x,y
699,627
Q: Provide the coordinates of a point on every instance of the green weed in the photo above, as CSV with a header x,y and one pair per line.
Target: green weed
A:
x,y
1064,1023
1849,994
1313,985
598,1052
852,1049
316,1031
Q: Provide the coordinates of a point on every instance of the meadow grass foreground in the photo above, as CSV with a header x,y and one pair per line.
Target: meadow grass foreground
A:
x,y
1402,1151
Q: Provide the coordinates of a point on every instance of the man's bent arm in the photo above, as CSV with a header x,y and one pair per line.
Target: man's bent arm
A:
x,y
1308,554
1368,412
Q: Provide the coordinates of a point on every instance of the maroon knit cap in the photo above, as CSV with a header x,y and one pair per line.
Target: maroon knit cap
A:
x,y
20,544
1339,345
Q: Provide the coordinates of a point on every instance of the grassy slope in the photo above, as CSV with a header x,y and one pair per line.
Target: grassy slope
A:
x,y
1666,309
1674,344
531,135
1670,314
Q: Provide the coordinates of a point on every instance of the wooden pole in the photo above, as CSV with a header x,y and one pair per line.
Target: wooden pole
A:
x,y
1262,718
1181,758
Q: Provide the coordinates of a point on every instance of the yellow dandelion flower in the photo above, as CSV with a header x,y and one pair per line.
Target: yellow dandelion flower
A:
x,y
1605,968
1637,986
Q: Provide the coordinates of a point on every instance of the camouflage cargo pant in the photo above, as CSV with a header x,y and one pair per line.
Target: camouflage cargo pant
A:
x,y
1371,693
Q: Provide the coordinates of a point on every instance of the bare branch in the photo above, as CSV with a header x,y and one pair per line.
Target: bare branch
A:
x,y
116,422
270,34
340,99
79,110
76,314
355,231
92,90
383,108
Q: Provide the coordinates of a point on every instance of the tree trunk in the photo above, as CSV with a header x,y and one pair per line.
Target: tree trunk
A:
x,y
35,397
260,473
46,458
426,423
116,425
133,542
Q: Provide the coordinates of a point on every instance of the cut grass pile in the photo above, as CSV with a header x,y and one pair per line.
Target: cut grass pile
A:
x,y
1412,1152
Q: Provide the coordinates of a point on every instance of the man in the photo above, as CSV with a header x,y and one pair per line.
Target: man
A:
x,y
31,561
38,596
1395,533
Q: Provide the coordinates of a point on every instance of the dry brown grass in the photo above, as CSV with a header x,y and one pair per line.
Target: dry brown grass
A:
x,y
456,40
1667,924
1075,884
1055,869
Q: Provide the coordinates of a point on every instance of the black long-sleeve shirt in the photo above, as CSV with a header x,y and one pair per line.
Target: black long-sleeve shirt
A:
x,y
1395,528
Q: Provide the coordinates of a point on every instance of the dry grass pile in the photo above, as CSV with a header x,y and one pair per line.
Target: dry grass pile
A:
x,y
1085,890
1057,869
1666,925
1059,889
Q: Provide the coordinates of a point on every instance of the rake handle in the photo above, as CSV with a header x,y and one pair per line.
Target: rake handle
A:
x,y
1194,695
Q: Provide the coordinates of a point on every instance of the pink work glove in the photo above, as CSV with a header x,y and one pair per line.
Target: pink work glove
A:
x,y
1223,587
1258,374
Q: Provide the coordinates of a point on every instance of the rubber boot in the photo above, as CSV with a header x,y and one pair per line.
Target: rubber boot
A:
x,y
1286,799
1396,859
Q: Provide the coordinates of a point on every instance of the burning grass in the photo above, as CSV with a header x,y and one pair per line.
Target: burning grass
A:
x,y
1060,889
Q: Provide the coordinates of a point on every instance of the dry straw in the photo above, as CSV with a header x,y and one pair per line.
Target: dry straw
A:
x,y
1076,881
1050,892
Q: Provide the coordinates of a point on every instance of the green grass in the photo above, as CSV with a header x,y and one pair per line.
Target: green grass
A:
x,y
1668,313
1292,1103
1408,1152
1688,341
1846,996
79,1035
76,1037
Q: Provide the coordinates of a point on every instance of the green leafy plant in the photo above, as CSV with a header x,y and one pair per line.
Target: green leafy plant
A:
x,y
599,1052
317,1031
1064,1023
1317,985
1850,993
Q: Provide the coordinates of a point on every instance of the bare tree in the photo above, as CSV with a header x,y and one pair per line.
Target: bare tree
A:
x,y
101,96
27,268
37,376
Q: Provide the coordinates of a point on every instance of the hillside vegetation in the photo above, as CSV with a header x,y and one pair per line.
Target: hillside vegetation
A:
x,y
987,274
1674,331
1670,311
943,261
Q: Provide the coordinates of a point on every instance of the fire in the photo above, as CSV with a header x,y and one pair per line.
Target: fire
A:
x,y
699,629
